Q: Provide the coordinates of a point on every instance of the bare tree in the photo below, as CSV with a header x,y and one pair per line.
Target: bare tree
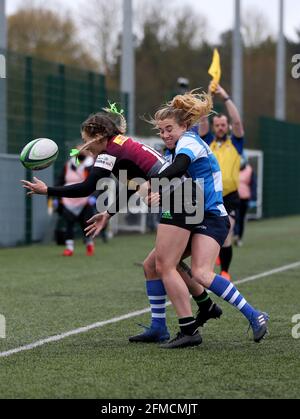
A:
x,y
189,27
255,28
153,15
175,24
102,24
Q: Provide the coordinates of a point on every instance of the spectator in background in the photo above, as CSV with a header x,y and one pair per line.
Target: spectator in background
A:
x,y
76,210
247,193
227,143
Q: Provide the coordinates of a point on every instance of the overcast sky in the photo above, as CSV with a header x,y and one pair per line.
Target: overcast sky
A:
x,y
219,12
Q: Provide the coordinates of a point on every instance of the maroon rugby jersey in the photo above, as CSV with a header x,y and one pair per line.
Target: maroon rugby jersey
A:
x,y
123,153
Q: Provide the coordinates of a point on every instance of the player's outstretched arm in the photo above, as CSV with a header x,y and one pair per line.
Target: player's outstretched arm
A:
x,y
77,190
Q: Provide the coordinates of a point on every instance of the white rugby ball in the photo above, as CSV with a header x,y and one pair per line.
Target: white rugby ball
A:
x,y
39,154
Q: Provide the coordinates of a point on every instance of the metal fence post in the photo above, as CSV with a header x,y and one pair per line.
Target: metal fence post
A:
x,y
28,106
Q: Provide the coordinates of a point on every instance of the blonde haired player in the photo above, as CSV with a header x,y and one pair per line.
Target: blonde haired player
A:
x,y
192,156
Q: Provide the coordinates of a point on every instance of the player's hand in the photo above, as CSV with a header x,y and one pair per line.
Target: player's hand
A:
x,y
212,87
37,187
221,92
97,224
144,189
152,200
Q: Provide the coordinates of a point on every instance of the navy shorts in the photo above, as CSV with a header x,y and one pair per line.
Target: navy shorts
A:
x,y
212,226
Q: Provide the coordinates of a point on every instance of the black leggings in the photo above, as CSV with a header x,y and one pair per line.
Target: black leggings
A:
x,y
72,219
241,218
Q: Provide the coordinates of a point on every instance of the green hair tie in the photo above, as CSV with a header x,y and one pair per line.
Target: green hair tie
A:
x,y
114,109
75,153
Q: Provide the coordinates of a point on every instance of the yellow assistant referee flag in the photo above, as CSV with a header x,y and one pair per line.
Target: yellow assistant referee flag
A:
x,y
215,68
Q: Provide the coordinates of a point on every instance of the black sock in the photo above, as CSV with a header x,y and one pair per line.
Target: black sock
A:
x,y
188,325
203,301
226,258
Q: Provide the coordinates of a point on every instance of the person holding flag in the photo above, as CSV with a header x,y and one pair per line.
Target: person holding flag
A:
x,y
227,145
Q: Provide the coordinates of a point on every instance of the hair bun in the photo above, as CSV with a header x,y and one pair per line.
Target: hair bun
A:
x,y
179,102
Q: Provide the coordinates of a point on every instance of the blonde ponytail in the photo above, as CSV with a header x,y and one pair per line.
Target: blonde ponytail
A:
x,y
186,109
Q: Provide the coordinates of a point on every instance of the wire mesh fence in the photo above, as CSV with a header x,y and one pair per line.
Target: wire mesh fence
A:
x,y
281,147
46,99
41,99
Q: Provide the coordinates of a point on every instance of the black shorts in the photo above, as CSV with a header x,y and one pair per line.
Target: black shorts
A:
x,y
232,203
212,226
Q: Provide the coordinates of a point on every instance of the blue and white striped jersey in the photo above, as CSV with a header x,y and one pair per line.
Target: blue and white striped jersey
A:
x,y
204,170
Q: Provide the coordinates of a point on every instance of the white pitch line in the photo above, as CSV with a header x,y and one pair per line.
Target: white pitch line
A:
x,y
74,332
85,329
269,273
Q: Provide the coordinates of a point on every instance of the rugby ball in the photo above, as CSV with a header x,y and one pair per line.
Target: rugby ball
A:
x,y
39,154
